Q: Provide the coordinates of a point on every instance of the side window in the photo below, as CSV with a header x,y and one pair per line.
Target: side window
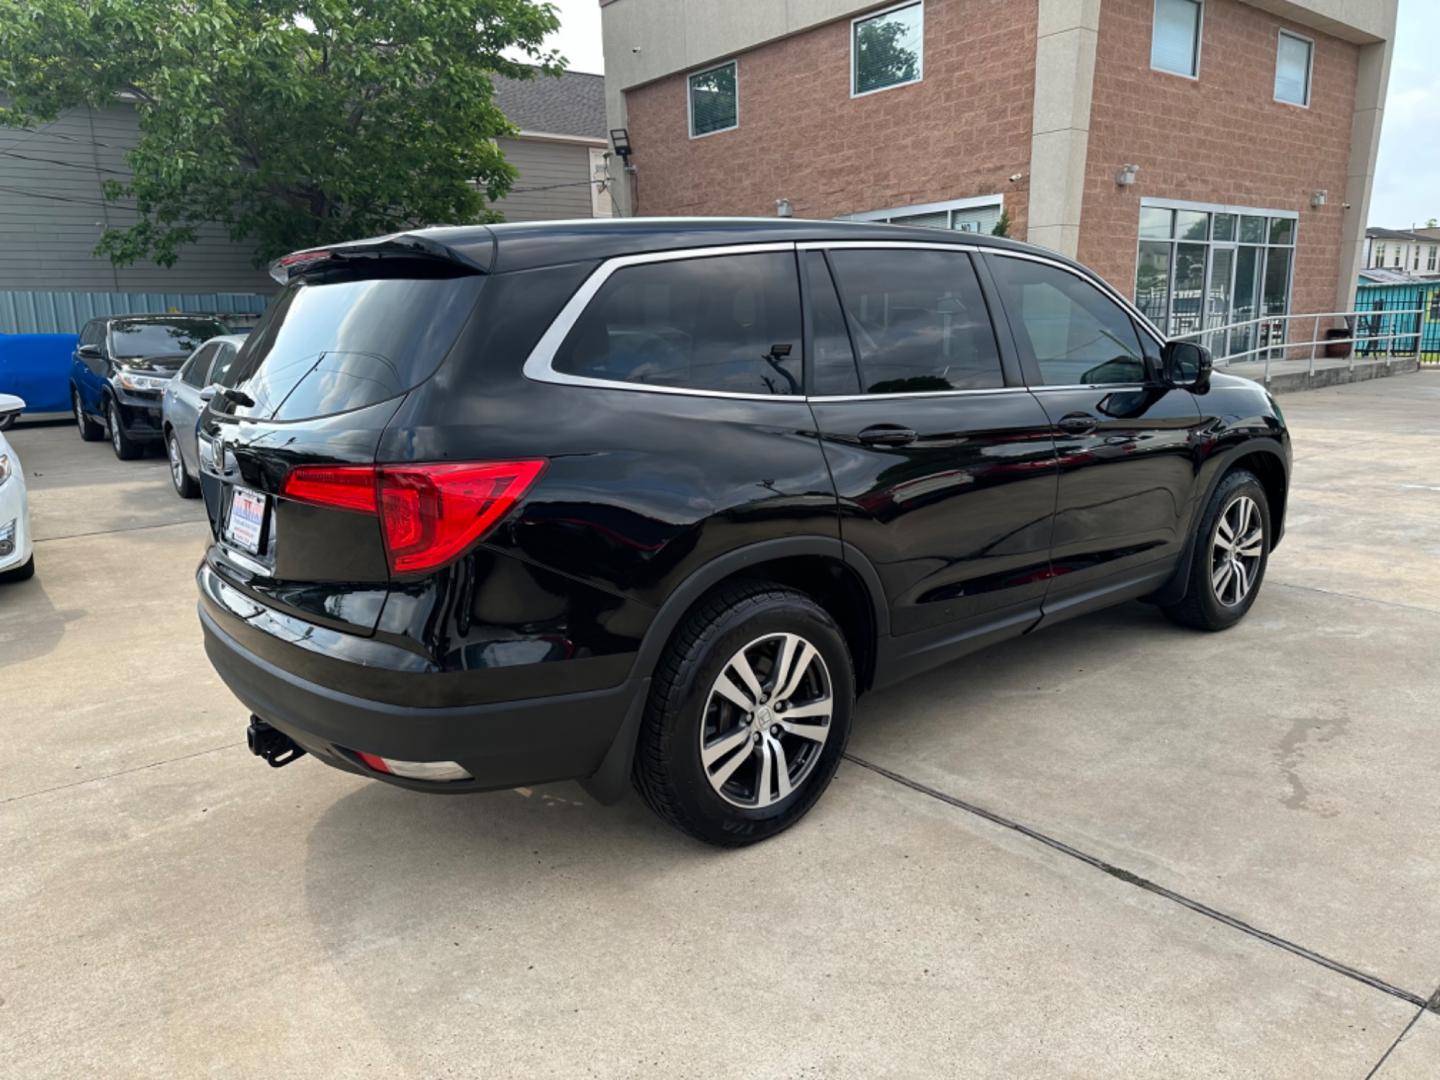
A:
x,y
726,322
918,320
1074,333
195,369
224,361
832,367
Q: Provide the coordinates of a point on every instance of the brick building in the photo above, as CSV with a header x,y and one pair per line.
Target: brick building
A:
x,y
1213,158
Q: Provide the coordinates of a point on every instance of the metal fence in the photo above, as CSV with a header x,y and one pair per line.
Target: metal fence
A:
x,y
66,312
1375,333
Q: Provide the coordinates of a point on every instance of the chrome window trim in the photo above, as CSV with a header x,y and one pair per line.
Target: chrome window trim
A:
x,y
826,399
929,245
539,365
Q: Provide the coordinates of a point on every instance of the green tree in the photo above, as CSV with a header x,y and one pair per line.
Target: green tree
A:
x,y
289,122
884,54
1002,226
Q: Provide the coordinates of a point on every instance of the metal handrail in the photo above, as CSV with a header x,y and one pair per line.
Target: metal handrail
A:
x,y
1387,338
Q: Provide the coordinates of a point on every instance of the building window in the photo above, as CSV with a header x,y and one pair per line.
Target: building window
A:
x,y
1399,257
1379,259
1202,268
1292,69
977,215
714,100
1175,41
1415,258
887,49
1430,262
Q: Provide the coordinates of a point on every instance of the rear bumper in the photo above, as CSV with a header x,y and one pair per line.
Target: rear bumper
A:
x,y
530,741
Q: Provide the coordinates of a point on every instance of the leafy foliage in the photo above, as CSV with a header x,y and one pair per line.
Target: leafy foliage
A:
x,y
289,122
1002,226
884,53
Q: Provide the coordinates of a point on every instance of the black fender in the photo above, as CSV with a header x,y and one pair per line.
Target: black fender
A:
x,y
611,779
1175,587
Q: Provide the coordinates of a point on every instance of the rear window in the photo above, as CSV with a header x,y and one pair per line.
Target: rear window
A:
x,y
331,344
161,337
727,322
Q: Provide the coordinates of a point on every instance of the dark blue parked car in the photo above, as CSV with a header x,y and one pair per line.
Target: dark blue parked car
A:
x,y
121,367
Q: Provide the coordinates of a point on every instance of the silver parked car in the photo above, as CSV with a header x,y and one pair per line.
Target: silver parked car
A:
x,y
207,369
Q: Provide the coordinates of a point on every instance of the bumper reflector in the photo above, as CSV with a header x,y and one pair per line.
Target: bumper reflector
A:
x,y
416,770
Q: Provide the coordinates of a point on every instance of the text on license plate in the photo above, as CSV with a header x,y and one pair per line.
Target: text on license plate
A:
x,y
247,515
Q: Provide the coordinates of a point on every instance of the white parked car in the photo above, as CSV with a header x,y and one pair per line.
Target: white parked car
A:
x,y
17,558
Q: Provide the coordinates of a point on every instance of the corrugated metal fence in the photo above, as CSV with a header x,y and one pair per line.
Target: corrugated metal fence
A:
x,y
67,312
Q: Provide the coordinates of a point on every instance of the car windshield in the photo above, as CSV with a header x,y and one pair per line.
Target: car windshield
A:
x,y
161,337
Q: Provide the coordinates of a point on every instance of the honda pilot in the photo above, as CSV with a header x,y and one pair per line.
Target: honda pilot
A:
x,y
655,501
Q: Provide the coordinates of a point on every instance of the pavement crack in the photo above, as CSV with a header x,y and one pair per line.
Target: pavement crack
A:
x,y
126,529
1130,878
1351,596
120,772
1399,1038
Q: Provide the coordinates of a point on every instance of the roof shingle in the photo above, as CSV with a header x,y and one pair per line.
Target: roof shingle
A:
x,y
573,104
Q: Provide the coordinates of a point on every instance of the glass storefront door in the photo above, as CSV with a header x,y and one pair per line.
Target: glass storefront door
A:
x,y
1199,269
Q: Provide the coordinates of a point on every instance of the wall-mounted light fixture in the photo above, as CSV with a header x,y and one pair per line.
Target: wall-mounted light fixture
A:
x,y
783,208
620,139
1318,198
1126,176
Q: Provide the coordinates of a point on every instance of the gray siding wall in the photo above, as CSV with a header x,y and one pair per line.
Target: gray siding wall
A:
x,y
542,164
52,213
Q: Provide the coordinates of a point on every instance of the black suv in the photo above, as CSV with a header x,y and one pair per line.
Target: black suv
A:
x,y
119,371
657,499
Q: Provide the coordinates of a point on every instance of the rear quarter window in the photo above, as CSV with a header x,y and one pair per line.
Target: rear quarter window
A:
x,y
725,323
332,344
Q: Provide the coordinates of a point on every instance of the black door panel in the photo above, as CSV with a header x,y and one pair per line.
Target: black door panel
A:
x,y
1125,483
956,520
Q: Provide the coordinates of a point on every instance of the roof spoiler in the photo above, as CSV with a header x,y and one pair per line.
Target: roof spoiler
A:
x,y
427,244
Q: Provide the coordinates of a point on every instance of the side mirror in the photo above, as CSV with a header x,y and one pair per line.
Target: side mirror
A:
x,y
1187,364
208,392
89,352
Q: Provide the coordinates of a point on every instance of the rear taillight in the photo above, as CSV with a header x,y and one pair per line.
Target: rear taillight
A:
x,y
429,514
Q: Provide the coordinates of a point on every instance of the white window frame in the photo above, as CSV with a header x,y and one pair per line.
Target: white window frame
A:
x,y
947,207
690,97
1309,68
867,17
1379,257
1430,262
1199,40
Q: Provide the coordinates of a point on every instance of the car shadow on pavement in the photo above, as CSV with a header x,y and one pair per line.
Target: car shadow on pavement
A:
x,y
30,625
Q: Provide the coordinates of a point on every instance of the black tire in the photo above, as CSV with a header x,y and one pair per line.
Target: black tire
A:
x,y
126,448
1201,607
90,431
8,421
20,573
668,769
185,485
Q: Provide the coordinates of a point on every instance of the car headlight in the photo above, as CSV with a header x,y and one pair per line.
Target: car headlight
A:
x,y
5,468
130,381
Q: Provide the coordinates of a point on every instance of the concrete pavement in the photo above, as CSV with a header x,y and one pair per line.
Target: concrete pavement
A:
x,y
1116,848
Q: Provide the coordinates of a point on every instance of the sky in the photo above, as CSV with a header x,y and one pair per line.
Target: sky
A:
x,y
1407,176
1407,182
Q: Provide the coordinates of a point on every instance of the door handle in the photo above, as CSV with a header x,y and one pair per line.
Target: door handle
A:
x,y
887,435
1078,423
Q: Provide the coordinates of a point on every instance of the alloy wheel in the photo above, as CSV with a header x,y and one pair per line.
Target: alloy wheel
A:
x,y
177,465
1236,550
79,412
766,721
114,415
